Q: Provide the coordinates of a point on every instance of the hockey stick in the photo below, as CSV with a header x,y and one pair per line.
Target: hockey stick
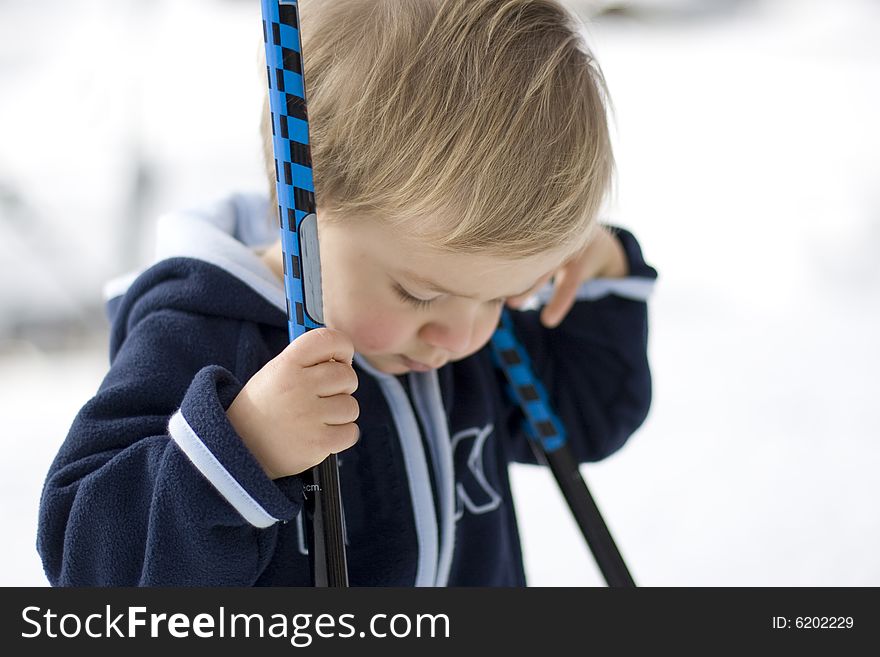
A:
x,y
297,217
302,263
547,438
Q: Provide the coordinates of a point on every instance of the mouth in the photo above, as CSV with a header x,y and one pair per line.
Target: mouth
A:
x,y
416,365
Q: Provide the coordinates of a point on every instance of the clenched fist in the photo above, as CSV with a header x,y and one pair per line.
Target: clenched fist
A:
x,y
298,409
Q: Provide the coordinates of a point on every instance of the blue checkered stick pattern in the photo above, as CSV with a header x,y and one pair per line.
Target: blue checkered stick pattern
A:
x,y
541,425
290,140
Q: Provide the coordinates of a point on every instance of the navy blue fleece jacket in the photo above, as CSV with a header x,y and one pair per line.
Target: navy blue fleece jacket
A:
x,y
153,486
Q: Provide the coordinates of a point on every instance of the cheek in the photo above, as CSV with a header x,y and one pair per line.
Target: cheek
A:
x,y
377,334
372,330
486,329
482,333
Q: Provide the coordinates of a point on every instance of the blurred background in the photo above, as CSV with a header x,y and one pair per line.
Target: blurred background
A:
x,y
748,151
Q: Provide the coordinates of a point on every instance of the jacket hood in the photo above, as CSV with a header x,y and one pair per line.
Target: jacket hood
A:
x,y
227,235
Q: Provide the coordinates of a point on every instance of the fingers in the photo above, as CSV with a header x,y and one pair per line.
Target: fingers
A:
x,y
520,299
339,409
319,346
564,294
331,378
565,285
336,430
339,438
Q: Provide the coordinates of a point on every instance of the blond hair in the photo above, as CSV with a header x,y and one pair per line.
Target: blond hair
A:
x,y
477,125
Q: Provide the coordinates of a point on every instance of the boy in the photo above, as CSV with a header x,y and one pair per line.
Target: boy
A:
x,y
460,154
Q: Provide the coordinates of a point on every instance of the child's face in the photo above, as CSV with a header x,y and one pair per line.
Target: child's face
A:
x,y
366,267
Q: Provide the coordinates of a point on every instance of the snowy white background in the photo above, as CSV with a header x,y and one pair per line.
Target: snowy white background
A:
x,y
749,157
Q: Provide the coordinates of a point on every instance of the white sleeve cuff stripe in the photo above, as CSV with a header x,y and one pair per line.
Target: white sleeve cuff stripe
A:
x,y
633,287
206,463
118,286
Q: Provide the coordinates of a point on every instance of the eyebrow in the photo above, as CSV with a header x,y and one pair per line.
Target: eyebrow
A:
x,y
435,287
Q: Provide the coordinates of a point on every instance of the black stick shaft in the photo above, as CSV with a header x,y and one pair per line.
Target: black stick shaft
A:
x,y
326,529
568,476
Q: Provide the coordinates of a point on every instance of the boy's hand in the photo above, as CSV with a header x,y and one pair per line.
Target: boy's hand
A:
x,y
602,257
298,409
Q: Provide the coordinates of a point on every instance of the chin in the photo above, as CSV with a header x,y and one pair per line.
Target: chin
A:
x,y
382,364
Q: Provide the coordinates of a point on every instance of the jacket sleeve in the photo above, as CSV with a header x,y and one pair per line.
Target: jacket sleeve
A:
x,y
152,485
594,364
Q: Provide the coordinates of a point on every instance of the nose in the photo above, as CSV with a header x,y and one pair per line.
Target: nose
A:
x,y
453,337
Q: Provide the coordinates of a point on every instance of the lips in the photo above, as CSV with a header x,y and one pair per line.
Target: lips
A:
x,y
416,365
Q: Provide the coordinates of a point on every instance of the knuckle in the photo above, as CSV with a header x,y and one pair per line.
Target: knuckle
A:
x,y
351,435
355,409
318,339
353,380
342,437
327,437
288,356
344,377
333,336
323,333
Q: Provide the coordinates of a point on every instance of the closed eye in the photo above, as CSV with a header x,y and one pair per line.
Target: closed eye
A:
x,y
408,298
425,303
